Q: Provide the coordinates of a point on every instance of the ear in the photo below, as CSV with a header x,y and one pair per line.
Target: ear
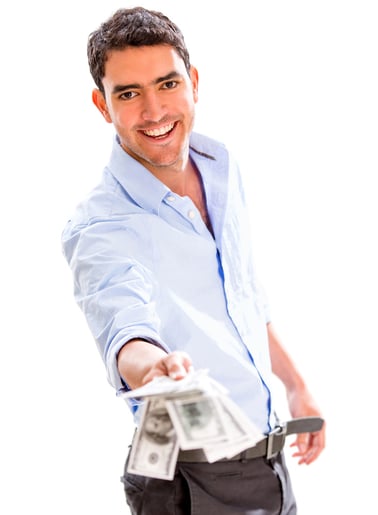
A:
x,y
99,101
194,80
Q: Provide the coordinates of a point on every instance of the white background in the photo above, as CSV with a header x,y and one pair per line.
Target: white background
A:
x,y
292,87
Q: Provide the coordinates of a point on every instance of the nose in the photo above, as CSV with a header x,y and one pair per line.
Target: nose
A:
x,y
153,109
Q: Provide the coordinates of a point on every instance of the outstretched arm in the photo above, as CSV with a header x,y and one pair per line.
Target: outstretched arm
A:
x,y
300,401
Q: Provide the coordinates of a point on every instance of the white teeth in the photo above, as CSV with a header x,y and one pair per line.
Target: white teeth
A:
x,y
159,132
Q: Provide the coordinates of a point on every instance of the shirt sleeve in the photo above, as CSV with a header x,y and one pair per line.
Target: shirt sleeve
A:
x,y
116,293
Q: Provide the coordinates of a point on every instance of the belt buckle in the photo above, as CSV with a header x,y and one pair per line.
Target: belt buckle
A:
x,y
277,431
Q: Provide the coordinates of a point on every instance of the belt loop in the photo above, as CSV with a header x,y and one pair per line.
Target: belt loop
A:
x,y
243,457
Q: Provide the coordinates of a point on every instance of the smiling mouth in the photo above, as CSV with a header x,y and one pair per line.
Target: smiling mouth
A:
x,y
160,132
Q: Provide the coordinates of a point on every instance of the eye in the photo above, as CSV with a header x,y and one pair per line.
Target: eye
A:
x,y
171,84
128,95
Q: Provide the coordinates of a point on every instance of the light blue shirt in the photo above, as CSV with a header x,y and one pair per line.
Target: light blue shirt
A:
x,y
146,266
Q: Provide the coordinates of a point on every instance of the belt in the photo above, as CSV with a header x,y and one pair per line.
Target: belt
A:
x,y
269,447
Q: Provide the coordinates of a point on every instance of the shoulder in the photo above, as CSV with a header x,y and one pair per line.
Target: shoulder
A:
x,y
106,209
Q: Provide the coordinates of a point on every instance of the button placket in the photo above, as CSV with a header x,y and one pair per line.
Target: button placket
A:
x,y
186,208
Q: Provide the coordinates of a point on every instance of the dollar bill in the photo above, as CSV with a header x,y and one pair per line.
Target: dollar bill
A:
x,y
195,381
193,413
197,420
155,446
241,433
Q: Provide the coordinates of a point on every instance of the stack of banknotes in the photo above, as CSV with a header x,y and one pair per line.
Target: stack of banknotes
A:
x,y
193,413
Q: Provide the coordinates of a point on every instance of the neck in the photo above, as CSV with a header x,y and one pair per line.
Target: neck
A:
x,y
177,177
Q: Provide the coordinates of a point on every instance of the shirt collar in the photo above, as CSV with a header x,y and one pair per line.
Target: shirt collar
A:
x,y
145,189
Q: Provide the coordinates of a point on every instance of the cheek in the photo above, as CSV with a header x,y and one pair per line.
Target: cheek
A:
x,y
122,118
188,102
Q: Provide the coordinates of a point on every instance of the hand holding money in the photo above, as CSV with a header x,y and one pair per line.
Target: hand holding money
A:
x,y
192,413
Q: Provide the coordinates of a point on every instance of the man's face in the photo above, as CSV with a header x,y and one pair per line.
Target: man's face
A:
x,y
150,99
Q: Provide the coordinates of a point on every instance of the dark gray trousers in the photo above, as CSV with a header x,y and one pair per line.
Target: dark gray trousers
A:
x,y
250,487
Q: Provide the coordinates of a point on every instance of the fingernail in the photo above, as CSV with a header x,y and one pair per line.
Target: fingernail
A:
x,y
176,375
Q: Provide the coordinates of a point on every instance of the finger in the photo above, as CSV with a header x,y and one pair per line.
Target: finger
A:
x,y
316,447
309,446
154,372
175,365
178,364
301,443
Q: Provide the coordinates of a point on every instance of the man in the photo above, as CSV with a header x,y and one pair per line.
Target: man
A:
x,y
163,270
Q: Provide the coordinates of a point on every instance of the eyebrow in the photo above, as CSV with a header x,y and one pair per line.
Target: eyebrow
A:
x,y
118,88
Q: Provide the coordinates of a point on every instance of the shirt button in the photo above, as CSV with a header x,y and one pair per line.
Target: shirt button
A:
x,y
191,214
171,198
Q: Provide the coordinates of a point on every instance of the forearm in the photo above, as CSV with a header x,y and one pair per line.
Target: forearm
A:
x,y
300,400
282,364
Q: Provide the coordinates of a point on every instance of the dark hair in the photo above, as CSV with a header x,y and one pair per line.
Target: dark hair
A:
x,y
132,27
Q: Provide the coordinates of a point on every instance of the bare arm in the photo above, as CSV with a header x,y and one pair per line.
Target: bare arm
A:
x,y
300,400
140,361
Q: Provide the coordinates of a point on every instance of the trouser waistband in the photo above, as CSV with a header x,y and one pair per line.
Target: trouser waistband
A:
x,y
270,446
